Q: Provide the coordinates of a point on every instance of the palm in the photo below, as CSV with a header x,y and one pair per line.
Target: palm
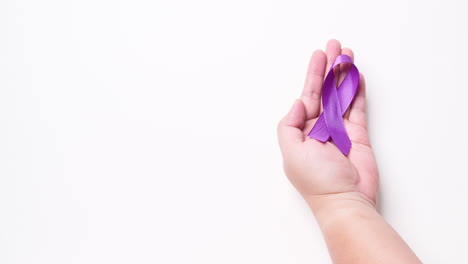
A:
x,y
357,172
320,168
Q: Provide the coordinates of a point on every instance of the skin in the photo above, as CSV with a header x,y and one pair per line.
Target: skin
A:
x,y
341,191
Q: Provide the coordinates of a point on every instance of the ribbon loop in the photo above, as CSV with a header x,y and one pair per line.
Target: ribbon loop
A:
x,y
335,102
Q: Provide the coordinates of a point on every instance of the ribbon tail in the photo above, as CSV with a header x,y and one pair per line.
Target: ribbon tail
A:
x,y
320,130
343,142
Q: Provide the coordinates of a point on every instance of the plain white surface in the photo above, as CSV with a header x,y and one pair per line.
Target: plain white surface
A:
x,y
145,131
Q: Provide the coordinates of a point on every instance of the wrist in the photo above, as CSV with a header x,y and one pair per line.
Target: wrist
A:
x,y
328,207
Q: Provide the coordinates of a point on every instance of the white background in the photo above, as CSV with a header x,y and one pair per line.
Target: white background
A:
x,y
145,131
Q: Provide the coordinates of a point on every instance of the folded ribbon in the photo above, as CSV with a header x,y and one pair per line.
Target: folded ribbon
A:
x,y
335,102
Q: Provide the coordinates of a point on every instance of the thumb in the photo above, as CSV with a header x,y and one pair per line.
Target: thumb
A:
x,y
290,127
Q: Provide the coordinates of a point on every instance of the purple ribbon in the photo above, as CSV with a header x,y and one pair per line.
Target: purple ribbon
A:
x,y
335,102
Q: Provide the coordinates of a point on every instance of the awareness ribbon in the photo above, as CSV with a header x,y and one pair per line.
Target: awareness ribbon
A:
x,y
335,102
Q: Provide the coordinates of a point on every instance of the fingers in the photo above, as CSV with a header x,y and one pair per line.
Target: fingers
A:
x,y
344,70
345,67
319,65
357,114
313,84
333,49
290,127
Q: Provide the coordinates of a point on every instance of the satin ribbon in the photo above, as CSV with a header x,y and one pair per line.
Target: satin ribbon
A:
x,y
335,102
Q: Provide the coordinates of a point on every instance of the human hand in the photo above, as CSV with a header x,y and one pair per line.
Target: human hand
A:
x,y
341,191
319,171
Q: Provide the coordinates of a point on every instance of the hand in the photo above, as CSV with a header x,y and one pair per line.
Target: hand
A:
x,y
317,169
